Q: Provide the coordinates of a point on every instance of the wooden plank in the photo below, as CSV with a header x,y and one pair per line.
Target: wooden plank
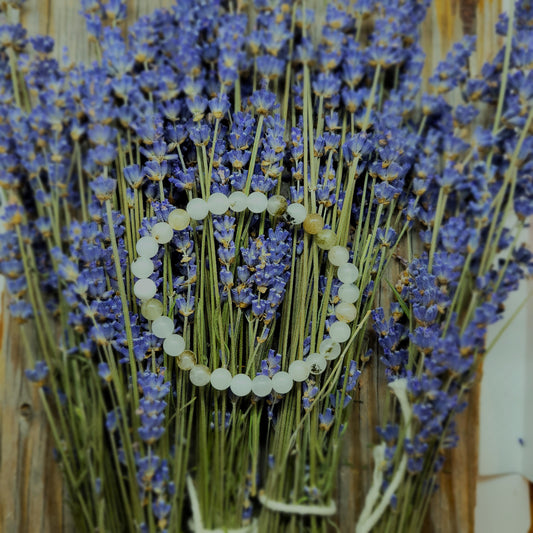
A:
x,y
448,21
31,489
452,508
62,20
31,495
453,505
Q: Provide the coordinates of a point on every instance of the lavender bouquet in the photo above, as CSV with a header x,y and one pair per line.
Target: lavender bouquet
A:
x,y
199,227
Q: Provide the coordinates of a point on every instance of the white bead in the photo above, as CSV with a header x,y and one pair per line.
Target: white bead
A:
x,y
299,370
218,203
174,345
200,375
338,255
347,273
261,386
163,327
241,385
142,267
297,213
152,309
325,239
162,232
345,312
277,205
238,201
339,331
330,349
147,247
197,209
349,293
186,360
221,378
179,219
282,382
144,289
317,363
257,202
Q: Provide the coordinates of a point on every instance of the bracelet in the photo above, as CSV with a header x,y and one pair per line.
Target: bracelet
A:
x,y
174,344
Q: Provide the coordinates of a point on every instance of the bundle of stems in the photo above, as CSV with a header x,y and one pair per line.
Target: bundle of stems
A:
x,y
283,171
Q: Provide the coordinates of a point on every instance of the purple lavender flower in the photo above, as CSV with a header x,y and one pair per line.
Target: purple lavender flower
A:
x,y
39,373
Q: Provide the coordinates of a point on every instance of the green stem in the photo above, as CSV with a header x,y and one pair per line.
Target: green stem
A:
x,y
439,214
125,310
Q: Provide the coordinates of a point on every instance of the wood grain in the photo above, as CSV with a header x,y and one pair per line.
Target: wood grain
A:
x,y
32,497
453,506
31,493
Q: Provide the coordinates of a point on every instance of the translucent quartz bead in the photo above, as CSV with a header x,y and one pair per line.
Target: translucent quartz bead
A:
x,y
257,202
338,255
339,331
261,386
317,363
277,205
349,293
297,213
162,327
197,209
144,289
299,371
186,360
345,312
325,239
282,382
162,232
142,267
330,349
348,273
147,247
313,223
179,219
151,309
221,378
174,345
238,201
200,375
218,203
241,385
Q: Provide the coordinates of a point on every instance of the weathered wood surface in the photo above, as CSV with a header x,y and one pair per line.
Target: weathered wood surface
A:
x,y
31,493
453,506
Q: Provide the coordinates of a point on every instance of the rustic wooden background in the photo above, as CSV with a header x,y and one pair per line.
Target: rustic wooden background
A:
x,y
31,494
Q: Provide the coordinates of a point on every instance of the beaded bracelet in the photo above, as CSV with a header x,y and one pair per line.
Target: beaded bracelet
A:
x,y
174,344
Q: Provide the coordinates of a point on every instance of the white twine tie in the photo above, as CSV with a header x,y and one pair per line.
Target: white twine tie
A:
x,y
370,515
300,509
197,525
